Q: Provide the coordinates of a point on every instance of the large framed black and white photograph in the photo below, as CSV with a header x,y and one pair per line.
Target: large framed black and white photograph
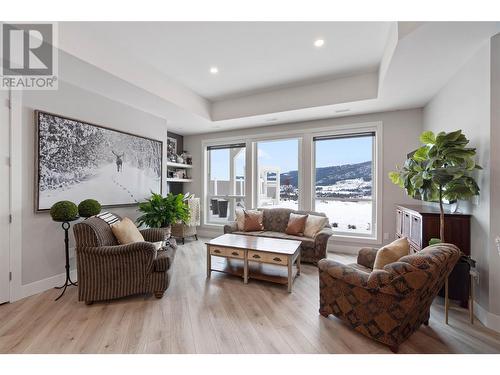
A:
x,y
77,160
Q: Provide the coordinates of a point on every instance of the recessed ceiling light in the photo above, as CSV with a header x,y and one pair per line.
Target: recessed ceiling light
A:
x,y
319,43
214,70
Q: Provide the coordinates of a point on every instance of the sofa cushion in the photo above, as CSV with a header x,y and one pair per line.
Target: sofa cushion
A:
x,y
253,221
276,219
314,224
126,232
296,224
391,253
240,218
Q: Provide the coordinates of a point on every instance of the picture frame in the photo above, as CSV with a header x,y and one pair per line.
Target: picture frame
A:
x,y
77,160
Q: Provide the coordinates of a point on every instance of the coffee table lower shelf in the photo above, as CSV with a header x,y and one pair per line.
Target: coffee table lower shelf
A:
x,y
257,271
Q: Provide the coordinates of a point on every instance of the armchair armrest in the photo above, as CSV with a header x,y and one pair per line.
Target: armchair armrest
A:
x,y
164,259
109,260
397,279
344,272
366,256
137,247
231,227
323,235
155,234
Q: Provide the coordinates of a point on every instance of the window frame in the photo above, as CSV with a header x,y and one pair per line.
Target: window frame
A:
x,y
307,168
255,174
206,175
375,237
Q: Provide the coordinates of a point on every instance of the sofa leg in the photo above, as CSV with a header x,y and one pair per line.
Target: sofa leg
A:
x,y
183,241
426,322
196,237
394,348
88,303
158,294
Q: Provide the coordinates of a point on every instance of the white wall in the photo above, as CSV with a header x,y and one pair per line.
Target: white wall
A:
x,y
495,178
469,102
400,135
39,251
464,104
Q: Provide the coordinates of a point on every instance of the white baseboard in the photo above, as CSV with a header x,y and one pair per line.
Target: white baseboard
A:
x,y
488,319
45,284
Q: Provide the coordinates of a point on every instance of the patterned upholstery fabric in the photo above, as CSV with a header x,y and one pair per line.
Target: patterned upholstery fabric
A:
x,y
386,305
275,221
107,270
366,256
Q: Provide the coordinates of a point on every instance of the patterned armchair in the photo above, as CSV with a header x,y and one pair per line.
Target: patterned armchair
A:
x,y
107,270
386,305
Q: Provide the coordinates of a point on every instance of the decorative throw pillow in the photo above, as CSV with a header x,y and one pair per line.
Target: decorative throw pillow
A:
x,y
240,219
296,224
314,224
126,232
253,220
391,253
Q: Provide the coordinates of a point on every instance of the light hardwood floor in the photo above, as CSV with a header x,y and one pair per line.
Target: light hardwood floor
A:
x,y
220,315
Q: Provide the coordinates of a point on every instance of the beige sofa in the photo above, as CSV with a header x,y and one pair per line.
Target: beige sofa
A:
x,y
275,221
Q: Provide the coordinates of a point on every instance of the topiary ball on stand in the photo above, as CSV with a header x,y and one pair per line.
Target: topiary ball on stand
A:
x,y
64,211
89,207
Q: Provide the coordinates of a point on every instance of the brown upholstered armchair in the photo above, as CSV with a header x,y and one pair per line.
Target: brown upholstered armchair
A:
x,y
107,270
386,305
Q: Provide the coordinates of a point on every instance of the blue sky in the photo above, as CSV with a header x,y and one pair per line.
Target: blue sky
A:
x,y
284,154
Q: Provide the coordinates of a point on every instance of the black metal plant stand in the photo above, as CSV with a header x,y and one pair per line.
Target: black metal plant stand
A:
x,y
68,282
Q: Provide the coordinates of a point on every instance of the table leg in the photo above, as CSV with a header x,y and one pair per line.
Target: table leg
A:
x,y
290,274
209,262
446,301
298,264
245,268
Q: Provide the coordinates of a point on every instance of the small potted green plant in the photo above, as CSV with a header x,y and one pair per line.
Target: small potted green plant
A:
x,y
160,212
89,207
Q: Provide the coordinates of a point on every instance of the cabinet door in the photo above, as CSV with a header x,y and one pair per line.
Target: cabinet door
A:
x,y
399,222
416,230
406,224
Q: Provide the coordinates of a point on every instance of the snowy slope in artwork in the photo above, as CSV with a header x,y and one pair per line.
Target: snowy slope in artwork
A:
x,y
131,185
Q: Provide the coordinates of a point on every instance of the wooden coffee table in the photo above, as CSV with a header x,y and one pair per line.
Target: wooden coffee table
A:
x,y
269,259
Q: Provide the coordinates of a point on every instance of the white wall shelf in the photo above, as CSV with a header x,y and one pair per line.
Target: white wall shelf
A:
x,y
178,165
179,180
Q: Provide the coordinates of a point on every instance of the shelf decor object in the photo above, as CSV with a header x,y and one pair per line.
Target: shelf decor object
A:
x,y
64,212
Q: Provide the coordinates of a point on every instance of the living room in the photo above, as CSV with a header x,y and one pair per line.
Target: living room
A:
x,y
258,186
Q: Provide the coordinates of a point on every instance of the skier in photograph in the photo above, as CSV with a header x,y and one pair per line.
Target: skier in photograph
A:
x,y
119,161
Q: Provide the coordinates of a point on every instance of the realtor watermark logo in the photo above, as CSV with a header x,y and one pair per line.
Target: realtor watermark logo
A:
x,y
29,56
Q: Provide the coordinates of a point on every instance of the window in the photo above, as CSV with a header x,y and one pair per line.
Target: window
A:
x,y
225,182
343,186
278,173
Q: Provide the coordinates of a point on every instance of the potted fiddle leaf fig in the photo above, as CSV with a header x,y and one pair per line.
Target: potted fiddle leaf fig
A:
x,y
441,169
160,212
